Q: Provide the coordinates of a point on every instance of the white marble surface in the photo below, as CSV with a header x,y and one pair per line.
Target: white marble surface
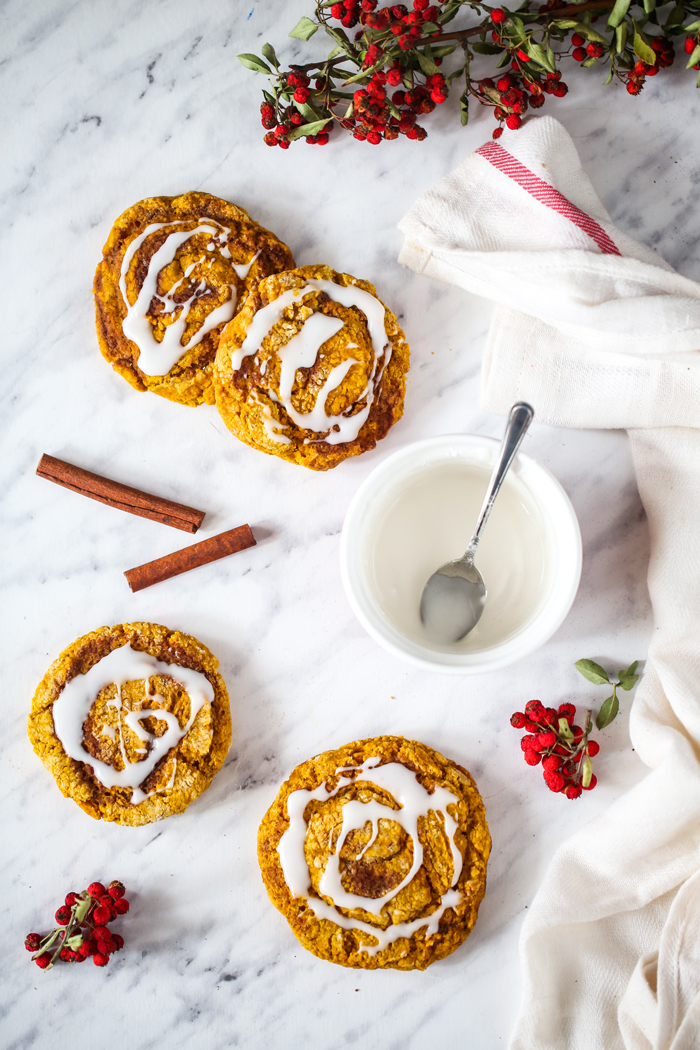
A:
x,y
104,104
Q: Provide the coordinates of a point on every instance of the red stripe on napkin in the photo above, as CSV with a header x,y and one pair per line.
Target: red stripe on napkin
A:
x,y
546,194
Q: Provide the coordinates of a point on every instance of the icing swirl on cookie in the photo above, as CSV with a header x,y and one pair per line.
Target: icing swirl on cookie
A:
x,y
415,802
303,349
156,359
123,665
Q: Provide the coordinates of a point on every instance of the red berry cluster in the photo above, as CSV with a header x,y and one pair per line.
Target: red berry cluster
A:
x,y
378,83
563,748
514,92
82,928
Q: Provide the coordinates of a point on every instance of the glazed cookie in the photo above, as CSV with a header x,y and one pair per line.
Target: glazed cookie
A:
x,y
376,854
133,722
312,368
173,272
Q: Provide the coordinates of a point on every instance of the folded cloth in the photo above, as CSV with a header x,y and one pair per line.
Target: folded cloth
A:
x,y
598,331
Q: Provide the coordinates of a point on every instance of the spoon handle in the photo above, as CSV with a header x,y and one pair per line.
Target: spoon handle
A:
x,y
521,415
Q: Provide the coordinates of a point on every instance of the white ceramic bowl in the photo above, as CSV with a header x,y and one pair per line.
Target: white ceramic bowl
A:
x,y
514,630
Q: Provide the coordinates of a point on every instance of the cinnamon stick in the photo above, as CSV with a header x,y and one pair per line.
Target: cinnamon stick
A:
x,y
190,557
123,497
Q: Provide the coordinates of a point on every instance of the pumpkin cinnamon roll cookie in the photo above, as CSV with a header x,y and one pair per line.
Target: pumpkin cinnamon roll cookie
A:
x,y
376,854
313,367
174,271
133,722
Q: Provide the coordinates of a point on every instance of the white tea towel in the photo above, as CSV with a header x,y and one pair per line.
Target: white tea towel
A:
x,y
595,330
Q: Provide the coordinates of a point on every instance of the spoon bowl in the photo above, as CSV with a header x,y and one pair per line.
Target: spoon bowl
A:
x,y
454,597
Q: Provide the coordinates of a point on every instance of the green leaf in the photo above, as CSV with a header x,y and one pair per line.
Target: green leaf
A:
x,y
692,28
618,13
587,772
73,942
254,63
631,670
590,61
308,129
675,19
608,712
641,47
565,730
621,34
426,64
538,53
82,909
429,27
493,94
590,34
592,671
269,53
304,29
337,51
486,49
649,6
694,58
450,11
464,108
307,111
565,23
608,78
629,682
503,60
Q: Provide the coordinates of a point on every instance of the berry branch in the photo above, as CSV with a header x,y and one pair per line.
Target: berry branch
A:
x,y
564,749
82,928
401,49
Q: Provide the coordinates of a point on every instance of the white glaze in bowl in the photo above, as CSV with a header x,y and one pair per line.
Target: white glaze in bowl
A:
x,y
416,510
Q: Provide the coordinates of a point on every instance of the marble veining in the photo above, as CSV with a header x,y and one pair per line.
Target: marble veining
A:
x,y
106,104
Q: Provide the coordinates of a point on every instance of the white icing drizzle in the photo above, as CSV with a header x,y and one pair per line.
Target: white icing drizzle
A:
x,y
303,349
158,358
272,426
415,801
126,665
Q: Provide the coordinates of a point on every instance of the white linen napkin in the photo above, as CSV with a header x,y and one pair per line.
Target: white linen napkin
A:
x,y
595,330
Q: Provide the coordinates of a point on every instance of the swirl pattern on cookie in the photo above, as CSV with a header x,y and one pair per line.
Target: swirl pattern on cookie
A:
x,y
133,722
313,368
376,854
175,270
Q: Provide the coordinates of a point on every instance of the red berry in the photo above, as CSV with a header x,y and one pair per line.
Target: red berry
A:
x,y
634,88
578,54
522,56
595,50
420,5
100,932
284,143
63,915
100,960
84,950
594,781
551,763
270,139
296,119
368,5
651,71
531,757
555,781
374,137
43,961
96,889
71,898
65,955
527,743
561,90
544,740
573,791
118,941
102,914
301,95
577,40
689,45
567,711
503,84
430,13
405,43
394,77
399,10
32,942
337,11
593,748
518,720
498,16
536,101
534,709
499,114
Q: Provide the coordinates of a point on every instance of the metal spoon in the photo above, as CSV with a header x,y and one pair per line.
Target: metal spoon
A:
x,y
454,596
